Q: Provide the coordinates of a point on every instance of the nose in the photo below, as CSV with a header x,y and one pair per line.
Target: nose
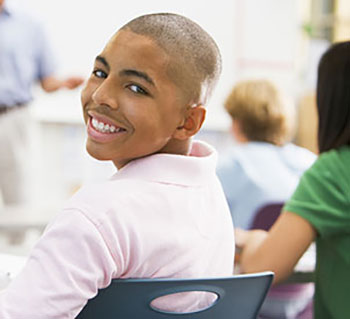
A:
x,y
105,94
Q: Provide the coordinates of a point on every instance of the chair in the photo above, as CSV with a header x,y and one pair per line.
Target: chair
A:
x,y
290,292
239,297
266,216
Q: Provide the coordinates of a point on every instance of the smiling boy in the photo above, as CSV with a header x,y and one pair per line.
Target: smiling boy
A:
x,y
163,214
132,107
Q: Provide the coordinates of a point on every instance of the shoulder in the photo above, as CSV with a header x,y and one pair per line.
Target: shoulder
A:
x,y
243,157
299,153
26,19
98,193
333,166
298,159
333,161
118,196
323,194
235,154
290,147
328,179
228,163
341,156
233,170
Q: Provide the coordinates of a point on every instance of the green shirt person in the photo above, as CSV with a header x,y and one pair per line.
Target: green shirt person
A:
x,y
319,209
323,199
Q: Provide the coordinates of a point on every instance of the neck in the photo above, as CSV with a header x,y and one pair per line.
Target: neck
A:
x,y
241,139
238,134
176,147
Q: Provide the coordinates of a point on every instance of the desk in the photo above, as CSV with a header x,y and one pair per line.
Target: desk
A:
x,y
21,218
300,277
304,270
10,266
21,227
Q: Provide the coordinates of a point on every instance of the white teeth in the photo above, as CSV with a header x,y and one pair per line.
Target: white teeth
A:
x,y
104,128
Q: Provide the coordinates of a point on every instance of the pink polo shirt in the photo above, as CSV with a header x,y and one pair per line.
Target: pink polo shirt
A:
x,y
163,215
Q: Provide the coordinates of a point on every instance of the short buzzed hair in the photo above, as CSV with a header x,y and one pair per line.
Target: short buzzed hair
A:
x,y
195,58
262,111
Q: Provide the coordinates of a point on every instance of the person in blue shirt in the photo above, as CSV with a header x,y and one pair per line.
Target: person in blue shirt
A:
x,y
262,166
25,59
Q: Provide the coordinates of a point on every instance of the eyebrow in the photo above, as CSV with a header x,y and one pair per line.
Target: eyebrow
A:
x,y
127,72
140,74
103,61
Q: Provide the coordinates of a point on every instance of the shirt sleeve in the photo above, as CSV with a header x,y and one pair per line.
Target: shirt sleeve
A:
x,y
321,197
45,59
66,268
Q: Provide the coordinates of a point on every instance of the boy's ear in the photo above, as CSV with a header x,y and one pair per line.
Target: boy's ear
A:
x,y
193,121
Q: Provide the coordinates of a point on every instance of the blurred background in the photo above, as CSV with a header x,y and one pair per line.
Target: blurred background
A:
x,y
280,40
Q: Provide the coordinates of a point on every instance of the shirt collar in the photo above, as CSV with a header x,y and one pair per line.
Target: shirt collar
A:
x,y
191,170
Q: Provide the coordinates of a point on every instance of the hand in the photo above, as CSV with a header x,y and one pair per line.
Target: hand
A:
x,y
240,240
241,237
72,82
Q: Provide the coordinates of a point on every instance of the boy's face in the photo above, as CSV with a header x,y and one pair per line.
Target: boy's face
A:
x,y
131,106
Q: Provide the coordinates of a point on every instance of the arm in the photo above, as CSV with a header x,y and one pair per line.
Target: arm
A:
x,y
51,83
46,67
68,265
277,250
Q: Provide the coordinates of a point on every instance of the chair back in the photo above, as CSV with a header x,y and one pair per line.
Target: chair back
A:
x,y
266,216
239,297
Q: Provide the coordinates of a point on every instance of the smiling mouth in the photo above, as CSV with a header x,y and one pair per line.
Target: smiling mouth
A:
x,y
105,128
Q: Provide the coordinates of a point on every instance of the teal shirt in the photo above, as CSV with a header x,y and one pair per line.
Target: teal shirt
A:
x,y
323,199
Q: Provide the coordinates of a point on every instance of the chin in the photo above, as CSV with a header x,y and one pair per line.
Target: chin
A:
x,y
96,154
